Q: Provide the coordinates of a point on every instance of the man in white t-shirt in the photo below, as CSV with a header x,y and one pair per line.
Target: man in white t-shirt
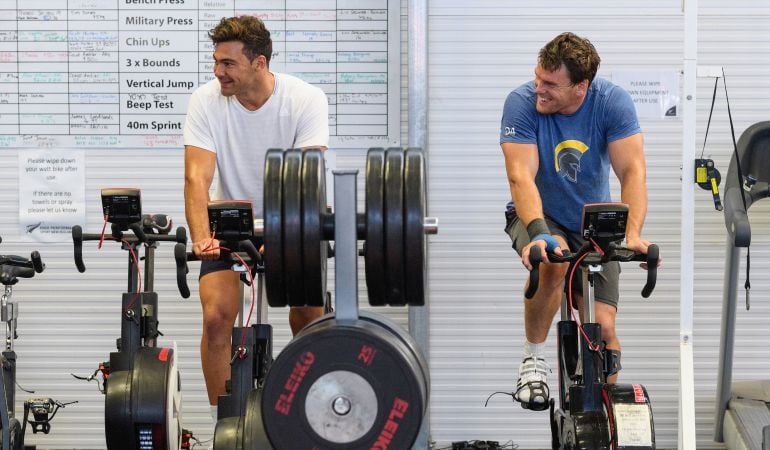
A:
x,y
231,122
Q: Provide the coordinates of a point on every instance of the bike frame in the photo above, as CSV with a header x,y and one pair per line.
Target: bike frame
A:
x,y
573,346
8,384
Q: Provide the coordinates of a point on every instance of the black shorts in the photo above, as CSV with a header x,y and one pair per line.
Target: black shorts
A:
x,y
215,266
606,282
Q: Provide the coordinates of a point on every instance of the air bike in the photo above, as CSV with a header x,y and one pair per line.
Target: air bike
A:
x,y
239,424
142,408
352,380
593,414
12,268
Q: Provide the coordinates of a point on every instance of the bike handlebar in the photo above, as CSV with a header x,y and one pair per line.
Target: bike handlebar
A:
x,y
535,257
614,254
140,236
246,252
653,254
13,267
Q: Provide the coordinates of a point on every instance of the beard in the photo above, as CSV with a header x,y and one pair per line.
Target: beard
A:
x,y
547,105
226,88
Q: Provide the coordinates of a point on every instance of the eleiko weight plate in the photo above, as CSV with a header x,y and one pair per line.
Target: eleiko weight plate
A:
x,y
394,227
414,234
292,227
314,247
273,228
374,245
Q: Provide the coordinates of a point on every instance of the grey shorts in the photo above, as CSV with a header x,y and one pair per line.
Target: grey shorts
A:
x,y
215,266
606,282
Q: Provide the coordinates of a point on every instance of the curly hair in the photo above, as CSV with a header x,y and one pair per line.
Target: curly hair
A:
x,y
577,54
247,29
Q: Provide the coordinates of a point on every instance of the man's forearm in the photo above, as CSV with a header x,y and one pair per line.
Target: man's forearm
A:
x,y
526,198
196,199
633,192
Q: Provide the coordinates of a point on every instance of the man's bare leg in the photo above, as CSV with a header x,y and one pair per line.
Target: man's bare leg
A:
x,y
299,317
219,293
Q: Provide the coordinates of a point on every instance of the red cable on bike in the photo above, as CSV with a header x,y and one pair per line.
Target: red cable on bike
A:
x,y
133,256
611,414
104,227
241,351
138,274
596,246
572,308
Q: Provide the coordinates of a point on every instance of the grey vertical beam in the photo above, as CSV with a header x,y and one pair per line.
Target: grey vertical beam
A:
x,y
417,49
345,250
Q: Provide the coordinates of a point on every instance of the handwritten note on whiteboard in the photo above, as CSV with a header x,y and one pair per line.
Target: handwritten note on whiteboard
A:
x,y
119,73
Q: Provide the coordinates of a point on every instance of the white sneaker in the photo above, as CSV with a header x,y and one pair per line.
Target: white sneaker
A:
x,y
531,388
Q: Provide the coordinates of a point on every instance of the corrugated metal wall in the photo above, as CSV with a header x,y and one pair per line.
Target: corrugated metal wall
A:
x,y
478,52
733,36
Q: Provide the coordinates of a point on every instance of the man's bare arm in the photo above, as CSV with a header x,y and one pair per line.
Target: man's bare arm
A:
x,y
521,164
627,158
199,166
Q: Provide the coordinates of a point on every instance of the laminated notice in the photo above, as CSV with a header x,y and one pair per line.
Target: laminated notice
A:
x,y
633,427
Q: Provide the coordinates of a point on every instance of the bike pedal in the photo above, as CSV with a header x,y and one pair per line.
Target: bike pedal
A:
x,y
534,406
186,437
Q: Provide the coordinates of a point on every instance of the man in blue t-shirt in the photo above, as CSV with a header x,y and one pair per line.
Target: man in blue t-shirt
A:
x,y
560,134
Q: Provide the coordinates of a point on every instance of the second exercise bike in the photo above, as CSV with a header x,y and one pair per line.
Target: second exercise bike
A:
x,y
12,268
142,409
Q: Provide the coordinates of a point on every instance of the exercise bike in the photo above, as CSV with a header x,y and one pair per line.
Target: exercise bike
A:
x,y
239,421
142,408
12,268
591,413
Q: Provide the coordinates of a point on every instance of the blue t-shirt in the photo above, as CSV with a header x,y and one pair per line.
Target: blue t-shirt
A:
x,y
574,163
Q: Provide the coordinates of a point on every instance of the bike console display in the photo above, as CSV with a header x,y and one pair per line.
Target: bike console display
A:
x,y
231,220
605,222
122,206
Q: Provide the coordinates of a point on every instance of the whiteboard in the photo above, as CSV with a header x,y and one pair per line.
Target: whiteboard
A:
x,y
119,73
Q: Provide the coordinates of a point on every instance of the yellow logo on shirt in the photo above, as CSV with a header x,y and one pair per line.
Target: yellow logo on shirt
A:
x,y
567,158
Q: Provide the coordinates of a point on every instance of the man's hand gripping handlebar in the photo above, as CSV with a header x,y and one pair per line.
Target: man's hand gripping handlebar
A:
x,y
245,253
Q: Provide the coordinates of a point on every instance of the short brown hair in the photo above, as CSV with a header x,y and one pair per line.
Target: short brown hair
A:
x,y
577,54
247,29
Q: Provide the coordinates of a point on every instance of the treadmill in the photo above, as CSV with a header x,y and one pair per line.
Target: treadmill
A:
x,y
742,408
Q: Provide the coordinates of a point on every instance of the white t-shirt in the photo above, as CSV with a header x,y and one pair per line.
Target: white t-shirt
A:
x,y
296,115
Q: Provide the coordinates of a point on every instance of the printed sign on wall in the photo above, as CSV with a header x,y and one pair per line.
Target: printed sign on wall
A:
x,y
51,194
655,91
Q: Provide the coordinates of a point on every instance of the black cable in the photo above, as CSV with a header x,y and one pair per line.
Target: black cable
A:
x,y
480,444
28,391
708,124
199,442
746,285
498,392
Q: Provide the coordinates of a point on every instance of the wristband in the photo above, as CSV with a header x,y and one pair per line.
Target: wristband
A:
x,y
537,226
551,243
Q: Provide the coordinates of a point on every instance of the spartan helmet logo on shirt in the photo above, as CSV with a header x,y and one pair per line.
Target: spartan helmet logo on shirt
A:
x,y
567,158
